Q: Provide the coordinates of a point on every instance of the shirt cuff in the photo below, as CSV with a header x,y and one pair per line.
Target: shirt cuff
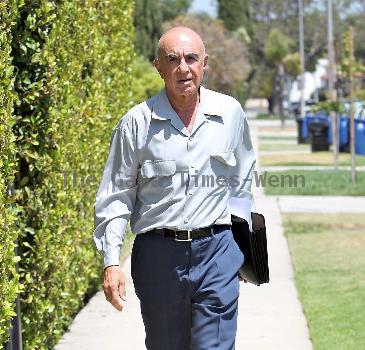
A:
x,y
111,257
241,207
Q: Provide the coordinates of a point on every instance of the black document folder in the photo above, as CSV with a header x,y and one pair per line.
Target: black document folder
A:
x,y
253,245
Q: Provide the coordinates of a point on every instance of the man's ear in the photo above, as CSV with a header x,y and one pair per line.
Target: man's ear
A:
x,y
156,63
205,62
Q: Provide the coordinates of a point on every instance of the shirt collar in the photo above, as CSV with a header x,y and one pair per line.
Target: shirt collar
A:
x,y
162,108
209,105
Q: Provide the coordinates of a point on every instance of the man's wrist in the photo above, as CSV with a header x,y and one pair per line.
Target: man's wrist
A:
x,y
111,257
105,267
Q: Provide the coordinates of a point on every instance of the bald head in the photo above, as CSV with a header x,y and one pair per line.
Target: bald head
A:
x,y
179,34
181,61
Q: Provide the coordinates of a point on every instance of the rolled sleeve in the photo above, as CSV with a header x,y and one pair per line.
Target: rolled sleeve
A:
x,y
116,194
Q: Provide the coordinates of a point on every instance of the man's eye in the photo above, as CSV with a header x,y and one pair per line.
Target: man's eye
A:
x,y
171,59
191,59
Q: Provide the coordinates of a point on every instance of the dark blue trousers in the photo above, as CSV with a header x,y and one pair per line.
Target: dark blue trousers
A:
x,y
188,291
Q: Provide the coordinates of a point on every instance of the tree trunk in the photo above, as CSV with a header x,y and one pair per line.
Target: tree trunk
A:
x,y
281,92
270,101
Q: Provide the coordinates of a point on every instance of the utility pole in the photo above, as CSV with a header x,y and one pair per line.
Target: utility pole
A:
x,y
332,80
352,109
302,59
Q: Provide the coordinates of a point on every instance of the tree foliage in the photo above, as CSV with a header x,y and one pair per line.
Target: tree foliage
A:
x,y
9,278
148,18
277,46
64,83
358,22
259,17
292,64
235,14
146,81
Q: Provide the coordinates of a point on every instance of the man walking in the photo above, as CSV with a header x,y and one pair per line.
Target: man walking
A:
x,y
176,164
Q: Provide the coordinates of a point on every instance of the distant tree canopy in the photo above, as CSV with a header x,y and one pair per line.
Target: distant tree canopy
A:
x,y
358,21
277,49
148,18
259,17
292,64
277,46
235,14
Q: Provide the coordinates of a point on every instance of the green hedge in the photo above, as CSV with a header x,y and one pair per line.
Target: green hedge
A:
x,y
146,80
72,60
8,234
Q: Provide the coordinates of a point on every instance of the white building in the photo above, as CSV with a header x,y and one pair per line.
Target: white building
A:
x,y
313,81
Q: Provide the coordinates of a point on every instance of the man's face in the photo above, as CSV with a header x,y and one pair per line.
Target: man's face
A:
x,y
181,64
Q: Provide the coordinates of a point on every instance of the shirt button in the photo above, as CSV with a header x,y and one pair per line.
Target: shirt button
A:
x,y
191,138
190,193
186,220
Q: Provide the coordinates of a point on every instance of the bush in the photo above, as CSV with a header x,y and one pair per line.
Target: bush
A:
x,y
360,94
8,275
146,80
72,60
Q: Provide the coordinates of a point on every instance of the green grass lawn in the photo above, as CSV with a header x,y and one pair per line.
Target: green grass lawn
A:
x,y
329,263
268,116
277,130
283,147
316,158
278,138
320,182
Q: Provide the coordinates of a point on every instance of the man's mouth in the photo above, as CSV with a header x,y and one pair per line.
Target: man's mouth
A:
x,y
184,81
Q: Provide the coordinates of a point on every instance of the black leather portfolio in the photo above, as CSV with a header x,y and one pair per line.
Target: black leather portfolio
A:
x,y
253,245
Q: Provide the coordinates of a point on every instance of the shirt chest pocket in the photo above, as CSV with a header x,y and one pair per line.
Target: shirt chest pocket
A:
x,y
155,183
223,165
226,158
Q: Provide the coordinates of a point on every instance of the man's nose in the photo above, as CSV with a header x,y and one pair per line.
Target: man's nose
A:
x,y
183,66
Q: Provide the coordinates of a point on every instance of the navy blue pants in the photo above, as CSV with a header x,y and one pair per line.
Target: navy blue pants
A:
x,y
188,291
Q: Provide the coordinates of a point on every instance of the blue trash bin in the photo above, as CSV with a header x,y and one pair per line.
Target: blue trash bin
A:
x,y
360,136
343,131
305,131
330,139
300,130
319,139
309,119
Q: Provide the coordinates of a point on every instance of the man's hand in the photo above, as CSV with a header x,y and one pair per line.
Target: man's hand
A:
x,y
114,286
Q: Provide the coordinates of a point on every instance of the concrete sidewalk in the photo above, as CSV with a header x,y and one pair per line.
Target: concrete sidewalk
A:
x,y
98,326
321,204
270,316
307,168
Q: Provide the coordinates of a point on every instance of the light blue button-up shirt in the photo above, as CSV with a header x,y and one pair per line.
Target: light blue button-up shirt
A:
x,y
159,175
